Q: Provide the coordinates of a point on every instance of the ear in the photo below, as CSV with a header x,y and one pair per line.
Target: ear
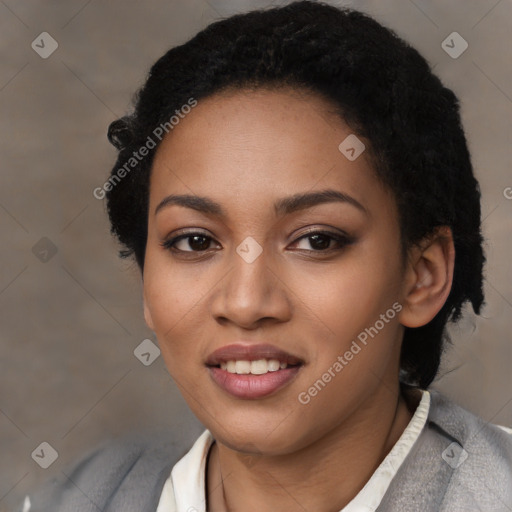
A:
x,y
428,278
147,314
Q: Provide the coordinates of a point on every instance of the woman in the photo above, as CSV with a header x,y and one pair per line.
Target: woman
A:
x,y
295,187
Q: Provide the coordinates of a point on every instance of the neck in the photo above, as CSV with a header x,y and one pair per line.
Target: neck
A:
x,y
325,475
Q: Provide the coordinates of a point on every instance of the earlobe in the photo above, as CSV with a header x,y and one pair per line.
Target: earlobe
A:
x,y
428,279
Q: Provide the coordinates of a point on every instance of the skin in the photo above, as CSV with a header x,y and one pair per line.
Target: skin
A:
x,y
245,150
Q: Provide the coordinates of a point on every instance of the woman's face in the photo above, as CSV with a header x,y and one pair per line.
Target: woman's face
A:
x,y
268,276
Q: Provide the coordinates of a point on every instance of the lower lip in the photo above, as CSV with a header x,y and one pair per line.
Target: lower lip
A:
x,y
253,386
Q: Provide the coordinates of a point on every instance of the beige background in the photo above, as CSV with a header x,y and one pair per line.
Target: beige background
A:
x,y
69,326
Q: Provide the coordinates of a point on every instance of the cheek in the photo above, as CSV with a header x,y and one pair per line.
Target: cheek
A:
x,y
174,297
348,295
343,306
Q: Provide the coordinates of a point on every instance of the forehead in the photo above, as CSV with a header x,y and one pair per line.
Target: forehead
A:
x,y
251,144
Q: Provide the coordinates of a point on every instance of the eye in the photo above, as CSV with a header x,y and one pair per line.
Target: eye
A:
x,y
323,241
318,241
189,242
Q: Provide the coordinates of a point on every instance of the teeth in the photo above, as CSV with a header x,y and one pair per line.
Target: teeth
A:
x,y
273,365
242,367
258,367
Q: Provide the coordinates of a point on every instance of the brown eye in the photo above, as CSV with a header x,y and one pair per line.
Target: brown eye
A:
x,y
198,243
323,241
190,242
320,242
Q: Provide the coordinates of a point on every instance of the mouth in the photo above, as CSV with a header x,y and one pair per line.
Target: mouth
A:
x,y
257,367
242,359
252,371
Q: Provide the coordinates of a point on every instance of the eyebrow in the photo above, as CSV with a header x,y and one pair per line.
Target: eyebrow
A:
x,y
283,206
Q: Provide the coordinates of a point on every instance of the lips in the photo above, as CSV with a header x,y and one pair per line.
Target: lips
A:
x,y
245,352
252,371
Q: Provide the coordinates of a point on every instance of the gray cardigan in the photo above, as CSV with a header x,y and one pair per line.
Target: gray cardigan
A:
x,y
459,463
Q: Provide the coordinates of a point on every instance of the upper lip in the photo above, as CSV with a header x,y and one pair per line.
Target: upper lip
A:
x,y
250,352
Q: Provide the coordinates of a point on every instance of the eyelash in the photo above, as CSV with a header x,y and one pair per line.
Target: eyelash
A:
x,y
341,240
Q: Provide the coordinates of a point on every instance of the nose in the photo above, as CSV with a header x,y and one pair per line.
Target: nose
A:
x,y
251,293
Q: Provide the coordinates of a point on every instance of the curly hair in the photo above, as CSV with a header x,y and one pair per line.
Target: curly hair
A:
x,y
385,92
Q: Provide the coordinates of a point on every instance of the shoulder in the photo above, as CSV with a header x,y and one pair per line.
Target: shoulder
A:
x,y
458,462
467,427
126,473
479,452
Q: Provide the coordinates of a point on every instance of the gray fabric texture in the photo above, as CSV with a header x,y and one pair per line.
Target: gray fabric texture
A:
x,y
459,463
123,475
475,473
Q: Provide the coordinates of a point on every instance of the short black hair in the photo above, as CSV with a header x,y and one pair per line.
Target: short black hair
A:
x,y
385,92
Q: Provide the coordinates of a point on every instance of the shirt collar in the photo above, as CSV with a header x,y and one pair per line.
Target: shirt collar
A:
x,y
187,480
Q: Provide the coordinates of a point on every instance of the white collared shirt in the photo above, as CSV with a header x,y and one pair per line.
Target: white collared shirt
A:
x,y
184,490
